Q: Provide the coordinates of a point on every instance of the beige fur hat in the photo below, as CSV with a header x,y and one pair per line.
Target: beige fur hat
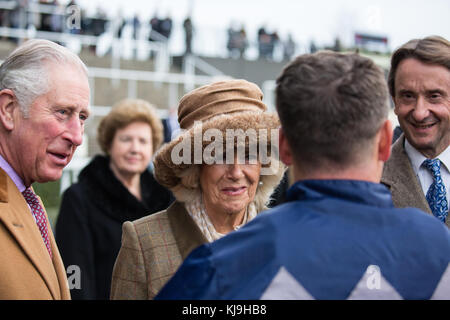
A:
x,y
224,107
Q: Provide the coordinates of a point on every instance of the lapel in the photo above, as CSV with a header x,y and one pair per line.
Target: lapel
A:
x,y
399,177
185,231
19,221
58,265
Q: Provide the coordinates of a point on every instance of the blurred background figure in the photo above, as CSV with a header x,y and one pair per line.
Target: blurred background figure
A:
x,y
166,27
212,199
111,189
237,42
312,47
188,33
243,42
289,47
267,41
171,125
154,25
136,26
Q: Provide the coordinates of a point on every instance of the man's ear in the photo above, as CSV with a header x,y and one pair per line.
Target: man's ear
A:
x,y
8,103
285,150
384,144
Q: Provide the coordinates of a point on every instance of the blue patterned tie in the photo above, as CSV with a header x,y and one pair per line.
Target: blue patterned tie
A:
x,y
436,194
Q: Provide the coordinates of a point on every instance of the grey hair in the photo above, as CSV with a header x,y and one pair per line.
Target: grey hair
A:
x,y
26,70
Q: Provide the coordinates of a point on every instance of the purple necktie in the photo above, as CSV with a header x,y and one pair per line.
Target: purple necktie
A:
x,y
39,215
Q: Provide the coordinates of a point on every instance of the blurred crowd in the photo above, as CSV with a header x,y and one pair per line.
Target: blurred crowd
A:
x,y
51,16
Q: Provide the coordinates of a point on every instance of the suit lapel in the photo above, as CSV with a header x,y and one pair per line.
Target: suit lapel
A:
x,y
185,231
63,291
58,266
20,222
400,178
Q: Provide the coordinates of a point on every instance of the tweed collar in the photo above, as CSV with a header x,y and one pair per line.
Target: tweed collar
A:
x,y
186,232
399,159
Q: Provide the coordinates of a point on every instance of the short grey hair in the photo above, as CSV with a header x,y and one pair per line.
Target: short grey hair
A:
x,y
26,70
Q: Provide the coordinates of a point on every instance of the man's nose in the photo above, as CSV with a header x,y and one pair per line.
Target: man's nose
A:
x,y
421,110
75,131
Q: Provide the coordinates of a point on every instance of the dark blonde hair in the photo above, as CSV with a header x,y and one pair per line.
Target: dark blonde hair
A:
x,y
331,106
431,50
124,113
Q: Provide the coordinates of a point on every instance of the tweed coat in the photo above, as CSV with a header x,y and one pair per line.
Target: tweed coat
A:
x,y
26,270
152,249
400,178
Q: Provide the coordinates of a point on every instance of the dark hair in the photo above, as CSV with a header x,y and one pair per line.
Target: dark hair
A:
x,y
331,106
432,50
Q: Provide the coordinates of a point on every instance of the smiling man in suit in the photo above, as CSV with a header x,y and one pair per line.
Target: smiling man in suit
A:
x,y
44,97
418,172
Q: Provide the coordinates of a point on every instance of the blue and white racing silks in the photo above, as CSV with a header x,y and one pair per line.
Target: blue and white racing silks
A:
x,y
334,239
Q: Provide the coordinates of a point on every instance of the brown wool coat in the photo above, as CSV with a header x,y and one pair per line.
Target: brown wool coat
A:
x,y
152,249
26,271
399,177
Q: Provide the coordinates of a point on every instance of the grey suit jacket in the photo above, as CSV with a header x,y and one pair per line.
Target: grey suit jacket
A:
x,y
399,177
153,248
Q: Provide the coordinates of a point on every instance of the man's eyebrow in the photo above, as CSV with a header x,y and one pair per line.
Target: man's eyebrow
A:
x,y
440,91
74,108
404,90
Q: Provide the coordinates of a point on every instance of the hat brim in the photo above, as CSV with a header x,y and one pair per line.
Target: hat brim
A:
x,y
170,174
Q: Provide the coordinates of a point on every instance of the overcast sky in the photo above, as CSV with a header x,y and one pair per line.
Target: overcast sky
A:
x,y
321,20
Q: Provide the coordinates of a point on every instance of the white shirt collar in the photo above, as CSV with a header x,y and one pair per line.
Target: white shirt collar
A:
x,y
417,158
445,158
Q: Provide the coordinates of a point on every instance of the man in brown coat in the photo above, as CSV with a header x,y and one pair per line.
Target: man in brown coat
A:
x,y
418,171
44,97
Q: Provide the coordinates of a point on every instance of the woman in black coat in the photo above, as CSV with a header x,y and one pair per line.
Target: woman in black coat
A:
x,y
110,190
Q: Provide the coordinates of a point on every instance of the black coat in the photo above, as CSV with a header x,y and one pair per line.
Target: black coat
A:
x,y
89,226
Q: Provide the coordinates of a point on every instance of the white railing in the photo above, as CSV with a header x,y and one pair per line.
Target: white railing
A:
x,y
105,42
191,63
268,89
133,76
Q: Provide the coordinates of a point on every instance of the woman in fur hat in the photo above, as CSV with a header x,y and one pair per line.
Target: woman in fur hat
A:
x,y
110,190
216,170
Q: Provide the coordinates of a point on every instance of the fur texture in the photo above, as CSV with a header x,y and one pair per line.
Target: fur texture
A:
x,y
183,179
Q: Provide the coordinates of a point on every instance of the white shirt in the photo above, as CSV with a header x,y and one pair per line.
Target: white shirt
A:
x,y
423,174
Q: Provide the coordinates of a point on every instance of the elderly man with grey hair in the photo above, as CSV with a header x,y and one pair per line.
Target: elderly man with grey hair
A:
x,y
44,103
